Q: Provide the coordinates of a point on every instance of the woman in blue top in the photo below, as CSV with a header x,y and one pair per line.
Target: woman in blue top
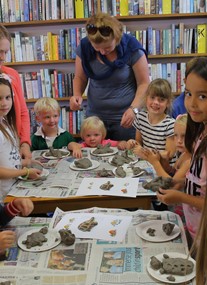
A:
x,y
114,65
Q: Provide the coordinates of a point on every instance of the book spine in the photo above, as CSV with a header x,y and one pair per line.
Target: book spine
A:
x,y
201,38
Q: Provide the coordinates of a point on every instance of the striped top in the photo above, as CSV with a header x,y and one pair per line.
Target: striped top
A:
x,y
154,136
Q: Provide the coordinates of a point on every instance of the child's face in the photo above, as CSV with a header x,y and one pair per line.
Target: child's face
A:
x,y
179,137
49,119
196,97
92,137
5,100
156,105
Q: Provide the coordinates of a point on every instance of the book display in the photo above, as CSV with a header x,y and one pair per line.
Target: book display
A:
x,y
45,34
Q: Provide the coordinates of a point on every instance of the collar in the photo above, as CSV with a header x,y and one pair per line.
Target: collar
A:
x,y
40,133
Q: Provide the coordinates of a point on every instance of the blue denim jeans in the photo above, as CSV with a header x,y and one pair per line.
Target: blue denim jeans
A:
x,y
117,132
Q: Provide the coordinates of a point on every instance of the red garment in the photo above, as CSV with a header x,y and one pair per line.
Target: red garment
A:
x,y
22,115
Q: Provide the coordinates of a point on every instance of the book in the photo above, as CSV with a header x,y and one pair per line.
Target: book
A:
x,y
124,8
147,7
35,89
166,7
79,9
28,85
56,83
43,82
201,38
48,86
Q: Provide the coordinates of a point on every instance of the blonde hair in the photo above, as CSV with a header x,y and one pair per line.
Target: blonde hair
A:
x,y
93,122
103,19
161,88
46,104
4,33
181,119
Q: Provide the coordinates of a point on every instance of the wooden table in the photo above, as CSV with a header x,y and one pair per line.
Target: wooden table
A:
x,y
44,205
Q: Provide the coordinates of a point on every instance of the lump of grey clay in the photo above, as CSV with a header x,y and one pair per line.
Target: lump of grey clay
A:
x,y
120,172
88,225
171,278
83,163
36,239
106,186
168,228
105,173
67,237
177,266
119,160
103,149
158,182
151,232
55,152
155,263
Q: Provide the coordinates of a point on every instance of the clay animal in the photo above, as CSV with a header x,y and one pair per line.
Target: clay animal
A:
x,y
120,172
67,237
105,173
168,228
158,182
103,149
36,238
106,186
83,163
88,225
54,152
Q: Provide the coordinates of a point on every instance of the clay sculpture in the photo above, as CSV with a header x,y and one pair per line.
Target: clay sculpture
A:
x,y
88,225
119,160
105,173
158,182
106,186
137,170
120,172
54,152
168,228
103,149
151,232
67,237
173,266
36,238
83,163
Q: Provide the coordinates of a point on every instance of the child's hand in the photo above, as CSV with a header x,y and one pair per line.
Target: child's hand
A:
x,y
34,173
131,144
7,239
77,153
151,155
169,196
24,205
138,150
122,145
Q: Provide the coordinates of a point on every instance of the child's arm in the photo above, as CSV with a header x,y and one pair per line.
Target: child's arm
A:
x,y
76,149
7,239
137,142
7,173
170,147
122,145
171,196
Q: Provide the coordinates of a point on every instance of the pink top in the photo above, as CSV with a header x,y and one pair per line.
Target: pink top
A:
x,y
103,142
22,115
195,185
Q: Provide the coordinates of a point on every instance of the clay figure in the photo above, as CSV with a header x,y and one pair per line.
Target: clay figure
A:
x,y
88,225
158,182
155,263
36,238
105,173
120,172
83,163
67,237
168,228
119,160
151,232
103,149
106,186
54,152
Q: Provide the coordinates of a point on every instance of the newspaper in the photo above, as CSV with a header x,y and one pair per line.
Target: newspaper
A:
x,y
90,261
63,182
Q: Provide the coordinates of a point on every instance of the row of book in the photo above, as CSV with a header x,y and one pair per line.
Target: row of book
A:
x,y
173,72
47,83
45,47
176,40
41,10
69,120
147,7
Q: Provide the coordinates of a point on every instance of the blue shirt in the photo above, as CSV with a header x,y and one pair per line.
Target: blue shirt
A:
x,y
178,106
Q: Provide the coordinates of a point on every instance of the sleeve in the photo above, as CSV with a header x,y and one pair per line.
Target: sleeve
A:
x,y
170,128
7,213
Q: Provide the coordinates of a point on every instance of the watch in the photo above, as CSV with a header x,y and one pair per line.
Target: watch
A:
x,y
135,110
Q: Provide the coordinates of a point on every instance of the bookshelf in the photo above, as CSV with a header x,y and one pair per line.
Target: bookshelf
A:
x,y
133,23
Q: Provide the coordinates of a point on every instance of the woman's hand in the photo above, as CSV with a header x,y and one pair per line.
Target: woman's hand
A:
x,y
7,239
75,103
127,118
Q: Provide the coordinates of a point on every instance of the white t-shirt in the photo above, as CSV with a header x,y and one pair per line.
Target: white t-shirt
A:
x,y
9,158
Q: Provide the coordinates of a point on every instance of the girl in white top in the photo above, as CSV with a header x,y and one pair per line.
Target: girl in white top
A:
x,y
10,159
154,127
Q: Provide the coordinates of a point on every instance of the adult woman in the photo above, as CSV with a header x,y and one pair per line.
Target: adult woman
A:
x,y
114,65
22,116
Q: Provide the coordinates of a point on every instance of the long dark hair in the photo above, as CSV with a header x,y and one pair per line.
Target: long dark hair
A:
x,y
194,129
10,117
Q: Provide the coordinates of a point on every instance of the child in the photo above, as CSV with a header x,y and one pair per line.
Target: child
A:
x,y
93,133
199,246
154,127
18,206
9,151
47,111
182,164
196,143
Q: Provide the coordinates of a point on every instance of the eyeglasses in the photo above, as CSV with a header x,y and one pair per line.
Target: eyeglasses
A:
x,y
104,30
